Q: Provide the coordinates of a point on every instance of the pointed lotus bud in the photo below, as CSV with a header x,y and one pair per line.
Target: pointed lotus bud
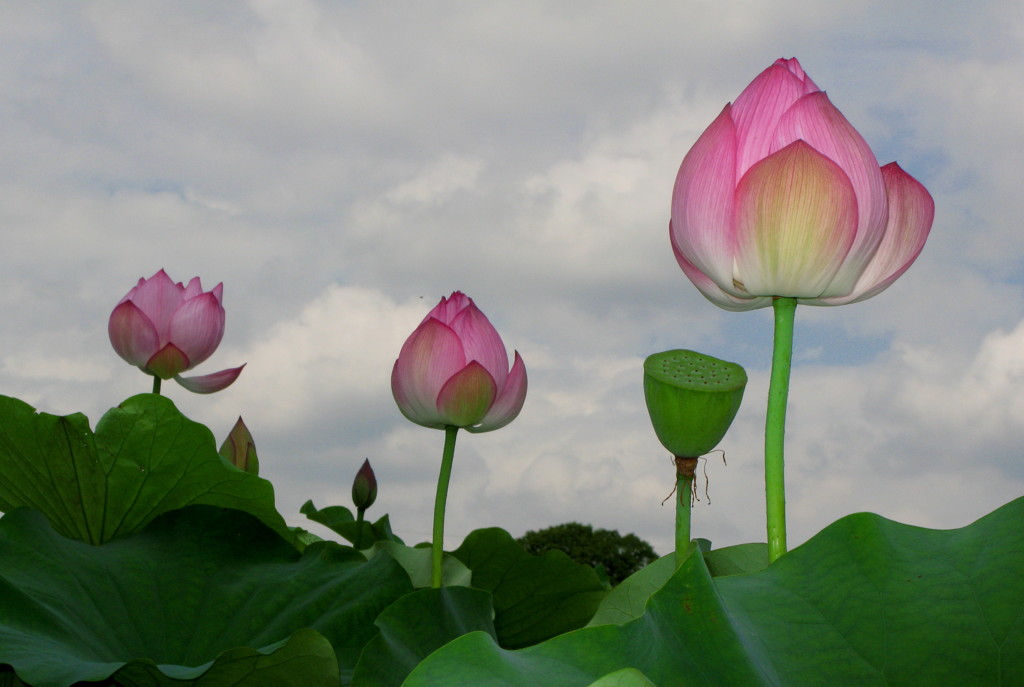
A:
x,y
240,450
453,371
364,488
692,399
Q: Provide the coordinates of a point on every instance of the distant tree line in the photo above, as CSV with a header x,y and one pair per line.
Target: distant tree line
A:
x,y
617,555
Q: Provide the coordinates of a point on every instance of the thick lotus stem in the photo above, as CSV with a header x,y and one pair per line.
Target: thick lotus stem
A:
x,y
775,427
685,468
447,457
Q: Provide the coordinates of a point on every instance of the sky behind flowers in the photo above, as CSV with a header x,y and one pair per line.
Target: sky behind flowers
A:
x,y
342,165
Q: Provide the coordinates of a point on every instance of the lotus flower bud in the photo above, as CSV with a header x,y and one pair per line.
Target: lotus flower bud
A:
x,y
692,399
364,487
239,449
781,196
453,371
165,328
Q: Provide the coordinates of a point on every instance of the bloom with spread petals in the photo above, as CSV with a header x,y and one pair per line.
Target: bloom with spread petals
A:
x,y
165,328
780,196
453,371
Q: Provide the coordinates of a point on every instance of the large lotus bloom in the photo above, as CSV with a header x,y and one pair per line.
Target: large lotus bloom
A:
x,y
453,371
165,328
781,196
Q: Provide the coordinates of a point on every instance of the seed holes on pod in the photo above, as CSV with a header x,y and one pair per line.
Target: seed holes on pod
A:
x,y
690,369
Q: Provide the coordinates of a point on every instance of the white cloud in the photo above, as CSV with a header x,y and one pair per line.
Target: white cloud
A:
x,y
266,57
335,355
438,182
39,367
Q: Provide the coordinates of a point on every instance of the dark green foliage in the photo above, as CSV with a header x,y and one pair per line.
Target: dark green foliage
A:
x,y
201,595
619,555
341,520
865,602
535,597
415,626
517,599
143,459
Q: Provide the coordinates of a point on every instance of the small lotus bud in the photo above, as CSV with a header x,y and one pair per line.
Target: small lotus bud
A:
x,y
240,450
692,399
364,488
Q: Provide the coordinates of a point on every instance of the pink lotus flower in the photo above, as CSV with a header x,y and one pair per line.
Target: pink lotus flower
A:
x,y
453,371
165,328
781,196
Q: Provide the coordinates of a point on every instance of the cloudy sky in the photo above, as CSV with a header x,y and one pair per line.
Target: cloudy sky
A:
x,y
342,165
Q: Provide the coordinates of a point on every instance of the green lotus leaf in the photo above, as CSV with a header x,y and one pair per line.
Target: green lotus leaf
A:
x,y
629,599
340,520
865,602
736,560
627,677
415,626
418,564
199,595
535,597
145,458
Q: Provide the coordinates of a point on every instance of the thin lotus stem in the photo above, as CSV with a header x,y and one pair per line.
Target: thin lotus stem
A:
x,y
156,385
775,427
447,458
684,490
359,527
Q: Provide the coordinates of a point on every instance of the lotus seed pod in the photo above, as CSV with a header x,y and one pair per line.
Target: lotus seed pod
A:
x,y
692,399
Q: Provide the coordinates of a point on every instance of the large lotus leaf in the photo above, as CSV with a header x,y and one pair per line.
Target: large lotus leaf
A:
x,y
629,599
9,679
865,602
736,560
376,537
535,597
340,519
305,659
195,586
627,677
145,458
418,564
416,625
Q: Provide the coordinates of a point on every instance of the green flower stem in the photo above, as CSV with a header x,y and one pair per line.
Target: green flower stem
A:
x,y
775,427
359,527
684,489
447,458
156,385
